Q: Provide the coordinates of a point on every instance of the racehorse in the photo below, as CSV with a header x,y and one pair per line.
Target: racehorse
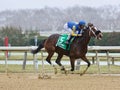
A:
x,y
78,48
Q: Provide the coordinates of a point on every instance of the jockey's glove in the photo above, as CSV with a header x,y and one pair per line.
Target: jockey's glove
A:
x,y
79,34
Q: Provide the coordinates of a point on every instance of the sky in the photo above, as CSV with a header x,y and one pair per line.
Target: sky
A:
x,y
38,4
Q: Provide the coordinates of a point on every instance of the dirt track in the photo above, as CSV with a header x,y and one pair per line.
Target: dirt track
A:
x,y
23,81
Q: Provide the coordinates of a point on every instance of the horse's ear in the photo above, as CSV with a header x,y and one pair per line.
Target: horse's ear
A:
x,y
90,24
86,27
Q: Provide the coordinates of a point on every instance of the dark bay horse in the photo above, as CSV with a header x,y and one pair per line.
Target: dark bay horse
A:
x,y
78,48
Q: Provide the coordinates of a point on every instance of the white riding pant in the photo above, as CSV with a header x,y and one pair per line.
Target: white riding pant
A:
x,y
67,29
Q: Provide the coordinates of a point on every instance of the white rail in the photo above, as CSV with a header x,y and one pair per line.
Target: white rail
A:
x,y
90,48
29,48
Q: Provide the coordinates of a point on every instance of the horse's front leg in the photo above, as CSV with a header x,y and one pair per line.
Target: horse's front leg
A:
x,y
86,60
72,61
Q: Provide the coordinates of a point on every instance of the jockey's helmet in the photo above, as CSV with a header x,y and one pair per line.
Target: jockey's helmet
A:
x,y
82,23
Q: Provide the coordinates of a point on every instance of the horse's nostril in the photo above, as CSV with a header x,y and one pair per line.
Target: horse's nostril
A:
x,y
100,38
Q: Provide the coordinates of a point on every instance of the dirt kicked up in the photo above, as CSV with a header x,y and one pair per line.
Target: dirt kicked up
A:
x,y
27,81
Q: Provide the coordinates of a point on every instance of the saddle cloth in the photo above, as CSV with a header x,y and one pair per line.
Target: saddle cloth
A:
x,y
62,41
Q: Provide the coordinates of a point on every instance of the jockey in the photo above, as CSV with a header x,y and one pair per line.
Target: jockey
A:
x,y
75,29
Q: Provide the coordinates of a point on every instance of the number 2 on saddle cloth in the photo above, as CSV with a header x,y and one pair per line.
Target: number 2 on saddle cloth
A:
x,y
62,42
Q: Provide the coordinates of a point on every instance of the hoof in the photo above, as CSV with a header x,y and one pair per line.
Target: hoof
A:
x,y
65,72
81,74
72,70
62,69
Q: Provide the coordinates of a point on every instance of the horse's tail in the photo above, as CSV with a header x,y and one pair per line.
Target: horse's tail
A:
x,y
41,45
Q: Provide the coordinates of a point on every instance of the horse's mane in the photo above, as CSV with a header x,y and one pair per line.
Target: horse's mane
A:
x,y
84,36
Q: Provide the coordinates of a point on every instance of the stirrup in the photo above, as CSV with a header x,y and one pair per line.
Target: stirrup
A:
x,y
66,42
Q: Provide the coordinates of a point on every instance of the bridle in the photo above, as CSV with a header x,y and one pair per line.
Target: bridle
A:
x,y
94,32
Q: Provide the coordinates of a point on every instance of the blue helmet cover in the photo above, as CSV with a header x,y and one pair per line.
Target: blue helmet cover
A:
x,y
82,22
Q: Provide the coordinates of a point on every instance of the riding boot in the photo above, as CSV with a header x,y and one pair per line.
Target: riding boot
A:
x,y
67,46
68,42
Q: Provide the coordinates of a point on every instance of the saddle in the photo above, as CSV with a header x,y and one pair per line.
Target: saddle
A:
x,y
62,42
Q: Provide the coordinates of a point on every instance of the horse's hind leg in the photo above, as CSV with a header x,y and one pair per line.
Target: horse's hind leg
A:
x,y
86,60
48,59
58,61
50,54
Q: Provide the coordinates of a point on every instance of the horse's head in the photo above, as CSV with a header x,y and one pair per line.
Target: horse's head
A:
x,y
94,32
